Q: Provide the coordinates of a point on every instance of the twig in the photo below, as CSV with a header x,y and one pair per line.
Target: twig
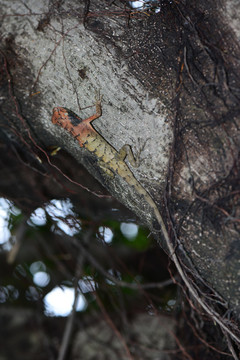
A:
x,y
95,263
201,301
113,327
231,347
19,235
69,325
186,65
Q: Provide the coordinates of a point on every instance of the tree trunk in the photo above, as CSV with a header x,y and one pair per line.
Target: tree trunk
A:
x,y
169,82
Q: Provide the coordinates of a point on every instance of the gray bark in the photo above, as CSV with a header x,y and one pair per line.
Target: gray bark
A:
x,y
171,78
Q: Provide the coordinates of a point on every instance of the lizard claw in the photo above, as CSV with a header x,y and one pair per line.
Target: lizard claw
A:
x,y
98,97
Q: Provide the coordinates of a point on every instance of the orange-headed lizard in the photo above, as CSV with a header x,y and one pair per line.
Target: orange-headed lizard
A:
x,y
112,162
108,158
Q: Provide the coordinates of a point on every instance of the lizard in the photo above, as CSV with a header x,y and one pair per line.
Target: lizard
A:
x,y
113,162
109,159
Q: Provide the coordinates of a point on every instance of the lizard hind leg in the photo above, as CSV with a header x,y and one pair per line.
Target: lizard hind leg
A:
x,y
126,151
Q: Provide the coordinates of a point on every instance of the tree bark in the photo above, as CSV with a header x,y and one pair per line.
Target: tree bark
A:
x,y
170,79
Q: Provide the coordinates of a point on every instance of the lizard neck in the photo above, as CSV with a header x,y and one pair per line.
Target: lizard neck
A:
x,y
83,132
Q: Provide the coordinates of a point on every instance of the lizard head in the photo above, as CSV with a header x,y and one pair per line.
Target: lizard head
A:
x,y
65,117
78,128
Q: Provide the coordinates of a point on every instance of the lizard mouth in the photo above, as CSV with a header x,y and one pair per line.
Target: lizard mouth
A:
x,y
58,115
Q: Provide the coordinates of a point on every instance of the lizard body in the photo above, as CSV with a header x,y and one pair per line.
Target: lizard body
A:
x,y
109,159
